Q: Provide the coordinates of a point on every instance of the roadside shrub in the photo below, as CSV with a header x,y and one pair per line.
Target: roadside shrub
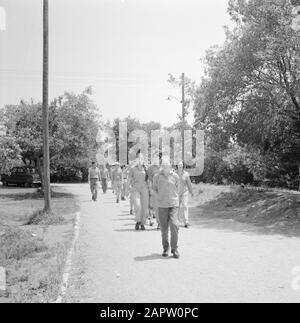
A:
x,y
39,217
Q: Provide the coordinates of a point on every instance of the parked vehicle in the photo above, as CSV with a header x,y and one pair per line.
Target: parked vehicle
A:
x,y
22,176
66,175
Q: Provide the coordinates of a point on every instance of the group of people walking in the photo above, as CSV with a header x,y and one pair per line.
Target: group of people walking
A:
x,y
95,176
158,192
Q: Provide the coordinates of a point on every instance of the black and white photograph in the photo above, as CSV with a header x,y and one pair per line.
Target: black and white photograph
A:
x,y
149,154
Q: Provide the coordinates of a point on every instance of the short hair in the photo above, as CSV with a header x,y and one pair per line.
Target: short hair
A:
x,y
93,163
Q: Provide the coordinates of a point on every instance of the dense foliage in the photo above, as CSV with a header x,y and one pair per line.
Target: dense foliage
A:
x,y
249,102
74,124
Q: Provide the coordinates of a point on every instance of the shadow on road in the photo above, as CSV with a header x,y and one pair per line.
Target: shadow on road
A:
x,y
151,257
133,230
20,196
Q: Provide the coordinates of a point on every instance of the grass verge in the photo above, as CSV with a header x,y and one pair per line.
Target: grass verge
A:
x,y
269,211
34,246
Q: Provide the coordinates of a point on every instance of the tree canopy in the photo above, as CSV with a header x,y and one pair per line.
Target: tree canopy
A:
x,y
74,123
250,93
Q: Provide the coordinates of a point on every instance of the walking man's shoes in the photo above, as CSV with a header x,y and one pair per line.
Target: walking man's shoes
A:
x,y
143,227
137,226
187,226
165,253
176,254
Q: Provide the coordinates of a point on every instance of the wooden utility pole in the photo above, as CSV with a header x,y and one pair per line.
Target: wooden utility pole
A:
x,y
183,115
46,154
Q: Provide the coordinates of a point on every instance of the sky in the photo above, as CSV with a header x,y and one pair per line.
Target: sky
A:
x,y
124,49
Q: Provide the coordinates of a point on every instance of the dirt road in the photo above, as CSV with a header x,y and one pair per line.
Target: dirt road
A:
x,y
221,261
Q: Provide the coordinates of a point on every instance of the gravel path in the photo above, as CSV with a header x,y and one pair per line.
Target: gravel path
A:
x,y
221,261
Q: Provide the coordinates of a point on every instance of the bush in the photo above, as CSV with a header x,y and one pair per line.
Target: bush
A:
x,y
68,175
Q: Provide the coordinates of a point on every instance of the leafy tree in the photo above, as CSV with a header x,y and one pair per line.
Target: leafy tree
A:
x,y
250,94
10,154
9,149
73,126
132,125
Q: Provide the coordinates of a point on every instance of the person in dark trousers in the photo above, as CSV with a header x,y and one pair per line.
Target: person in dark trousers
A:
x,y
166,184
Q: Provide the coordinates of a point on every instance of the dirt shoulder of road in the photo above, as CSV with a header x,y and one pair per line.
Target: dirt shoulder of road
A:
x,y
33,249
268,211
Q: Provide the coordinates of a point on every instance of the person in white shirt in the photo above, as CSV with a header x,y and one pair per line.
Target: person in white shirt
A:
x,y
94,179
138,178
117,178
185,188
104,177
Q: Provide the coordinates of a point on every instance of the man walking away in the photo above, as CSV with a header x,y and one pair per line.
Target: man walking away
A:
x,y
166,184
94,178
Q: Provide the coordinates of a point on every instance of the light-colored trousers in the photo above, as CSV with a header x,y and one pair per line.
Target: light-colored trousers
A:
x,y
94,185
154,205
118,189
130,193
183,211
125,189
141,203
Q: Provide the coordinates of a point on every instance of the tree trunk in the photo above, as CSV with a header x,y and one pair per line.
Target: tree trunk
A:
x,y
299,179
40,171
